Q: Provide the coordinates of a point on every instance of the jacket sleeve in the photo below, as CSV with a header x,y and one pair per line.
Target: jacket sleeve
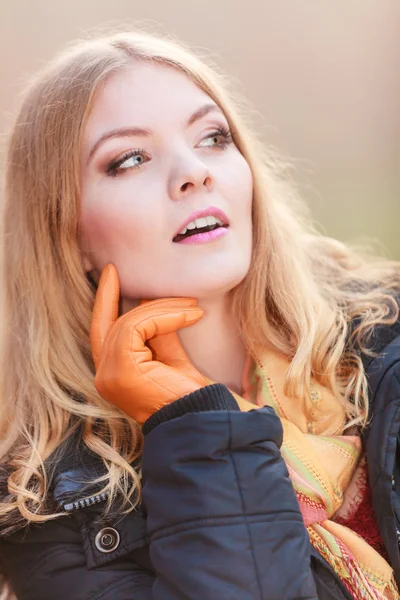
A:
x,y
223,518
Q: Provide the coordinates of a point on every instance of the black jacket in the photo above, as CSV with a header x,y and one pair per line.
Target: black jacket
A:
x,y
219,517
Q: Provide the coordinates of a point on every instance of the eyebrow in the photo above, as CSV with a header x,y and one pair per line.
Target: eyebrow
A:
x,y
142,132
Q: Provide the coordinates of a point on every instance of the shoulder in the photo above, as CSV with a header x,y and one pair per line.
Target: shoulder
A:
x,y
384,360
382,366
381,338
67,466
107,553
72,474
381,361
383,348
383,377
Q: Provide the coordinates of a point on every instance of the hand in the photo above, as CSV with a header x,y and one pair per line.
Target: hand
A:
x,y
127,373
168,349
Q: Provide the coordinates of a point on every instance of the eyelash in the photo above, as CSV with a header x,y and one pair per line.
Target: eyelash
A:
x,y
114,169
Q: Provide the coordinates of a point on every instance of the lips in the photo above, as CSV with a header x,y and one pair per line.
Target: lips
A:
x,y
205,220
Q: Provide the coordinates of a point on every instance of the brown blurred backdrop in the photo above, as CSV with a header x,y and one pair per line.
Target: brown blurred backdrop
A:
x,y
323,77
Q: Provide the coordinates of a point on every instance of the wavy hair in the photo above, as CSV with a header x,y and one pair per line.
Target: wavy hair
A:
x,y
301,294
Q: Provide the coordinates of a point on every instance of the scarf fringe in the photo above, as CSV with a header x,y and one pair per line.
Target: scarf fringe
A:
x,y
353,576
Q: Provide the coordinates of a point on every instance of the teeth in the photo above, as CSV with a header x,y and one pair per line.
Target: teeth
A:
x,y
213,221
202,222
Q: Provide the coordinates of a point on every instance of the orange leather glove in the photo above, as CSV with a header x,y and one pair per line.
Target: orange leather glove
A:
x,y
127,373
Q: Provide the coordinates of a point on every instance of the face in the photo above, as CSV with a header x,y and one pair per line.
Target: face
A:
x,y
166,195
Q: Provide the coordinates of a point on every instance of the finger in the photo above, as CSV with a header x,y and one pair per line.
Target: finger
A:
x,y
174,301
168,348
151,320
105,310
148,308
162,325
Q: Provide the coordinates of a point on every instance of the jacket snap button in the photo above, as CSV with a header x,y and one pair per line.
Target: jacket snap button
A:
x,y
393,483
107,540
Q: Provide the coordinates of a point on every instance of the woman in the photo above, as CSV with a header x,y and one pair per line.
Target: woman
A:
x,y
199,426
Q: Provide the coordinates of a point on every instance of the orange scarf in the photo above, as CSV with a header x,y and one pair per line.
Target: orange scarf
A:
x,y
321,461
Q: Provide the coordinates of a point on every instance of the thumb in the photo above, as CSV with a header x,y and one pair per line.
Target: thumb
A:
x,y
167,348
105,310
160,318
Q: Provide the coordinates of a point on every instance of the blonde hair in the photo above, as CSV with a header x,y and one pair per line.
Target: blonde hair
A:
x,y
300,295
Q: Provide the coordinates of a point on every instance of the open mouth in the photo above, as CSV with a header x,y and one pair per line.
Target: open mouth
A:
x,y
197,226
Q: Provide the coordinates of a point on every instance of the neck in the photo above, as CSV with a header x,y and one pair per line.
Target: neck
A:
x,y
214,345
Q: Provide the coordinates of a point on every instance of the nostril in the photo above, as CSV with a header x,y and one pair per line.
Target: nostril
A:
x,y
184,187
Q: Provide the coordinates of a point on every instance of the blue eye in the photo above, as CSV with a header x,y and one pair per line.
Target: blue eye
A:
x,y
133,161
130,160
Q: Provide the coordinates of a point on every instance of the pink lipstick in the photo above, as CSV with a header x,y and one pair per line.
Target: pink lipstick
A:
x,y
202,226
205,237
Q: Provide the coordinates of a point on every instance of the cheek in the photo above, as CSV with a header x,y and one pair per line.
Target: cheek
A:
x,y
110,227
241,188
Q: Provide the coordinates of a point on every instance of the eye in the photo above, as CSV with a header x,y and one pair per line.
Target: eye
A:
x,y
130,160
220,138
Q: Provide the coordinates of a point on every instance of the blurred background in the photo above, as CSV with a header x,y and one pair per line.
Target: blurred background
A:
x,y
322,76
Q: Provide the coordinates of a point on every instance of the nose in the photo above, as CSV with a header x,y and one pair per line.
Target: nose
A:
x,y
191,176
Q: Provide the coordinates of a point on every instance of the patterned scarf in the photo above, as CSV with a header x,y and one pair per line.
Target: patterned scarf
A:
x,y
321,462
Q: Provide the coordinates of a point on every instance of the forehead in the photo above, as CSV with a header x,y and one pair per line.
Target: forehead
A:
x,y
145,95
